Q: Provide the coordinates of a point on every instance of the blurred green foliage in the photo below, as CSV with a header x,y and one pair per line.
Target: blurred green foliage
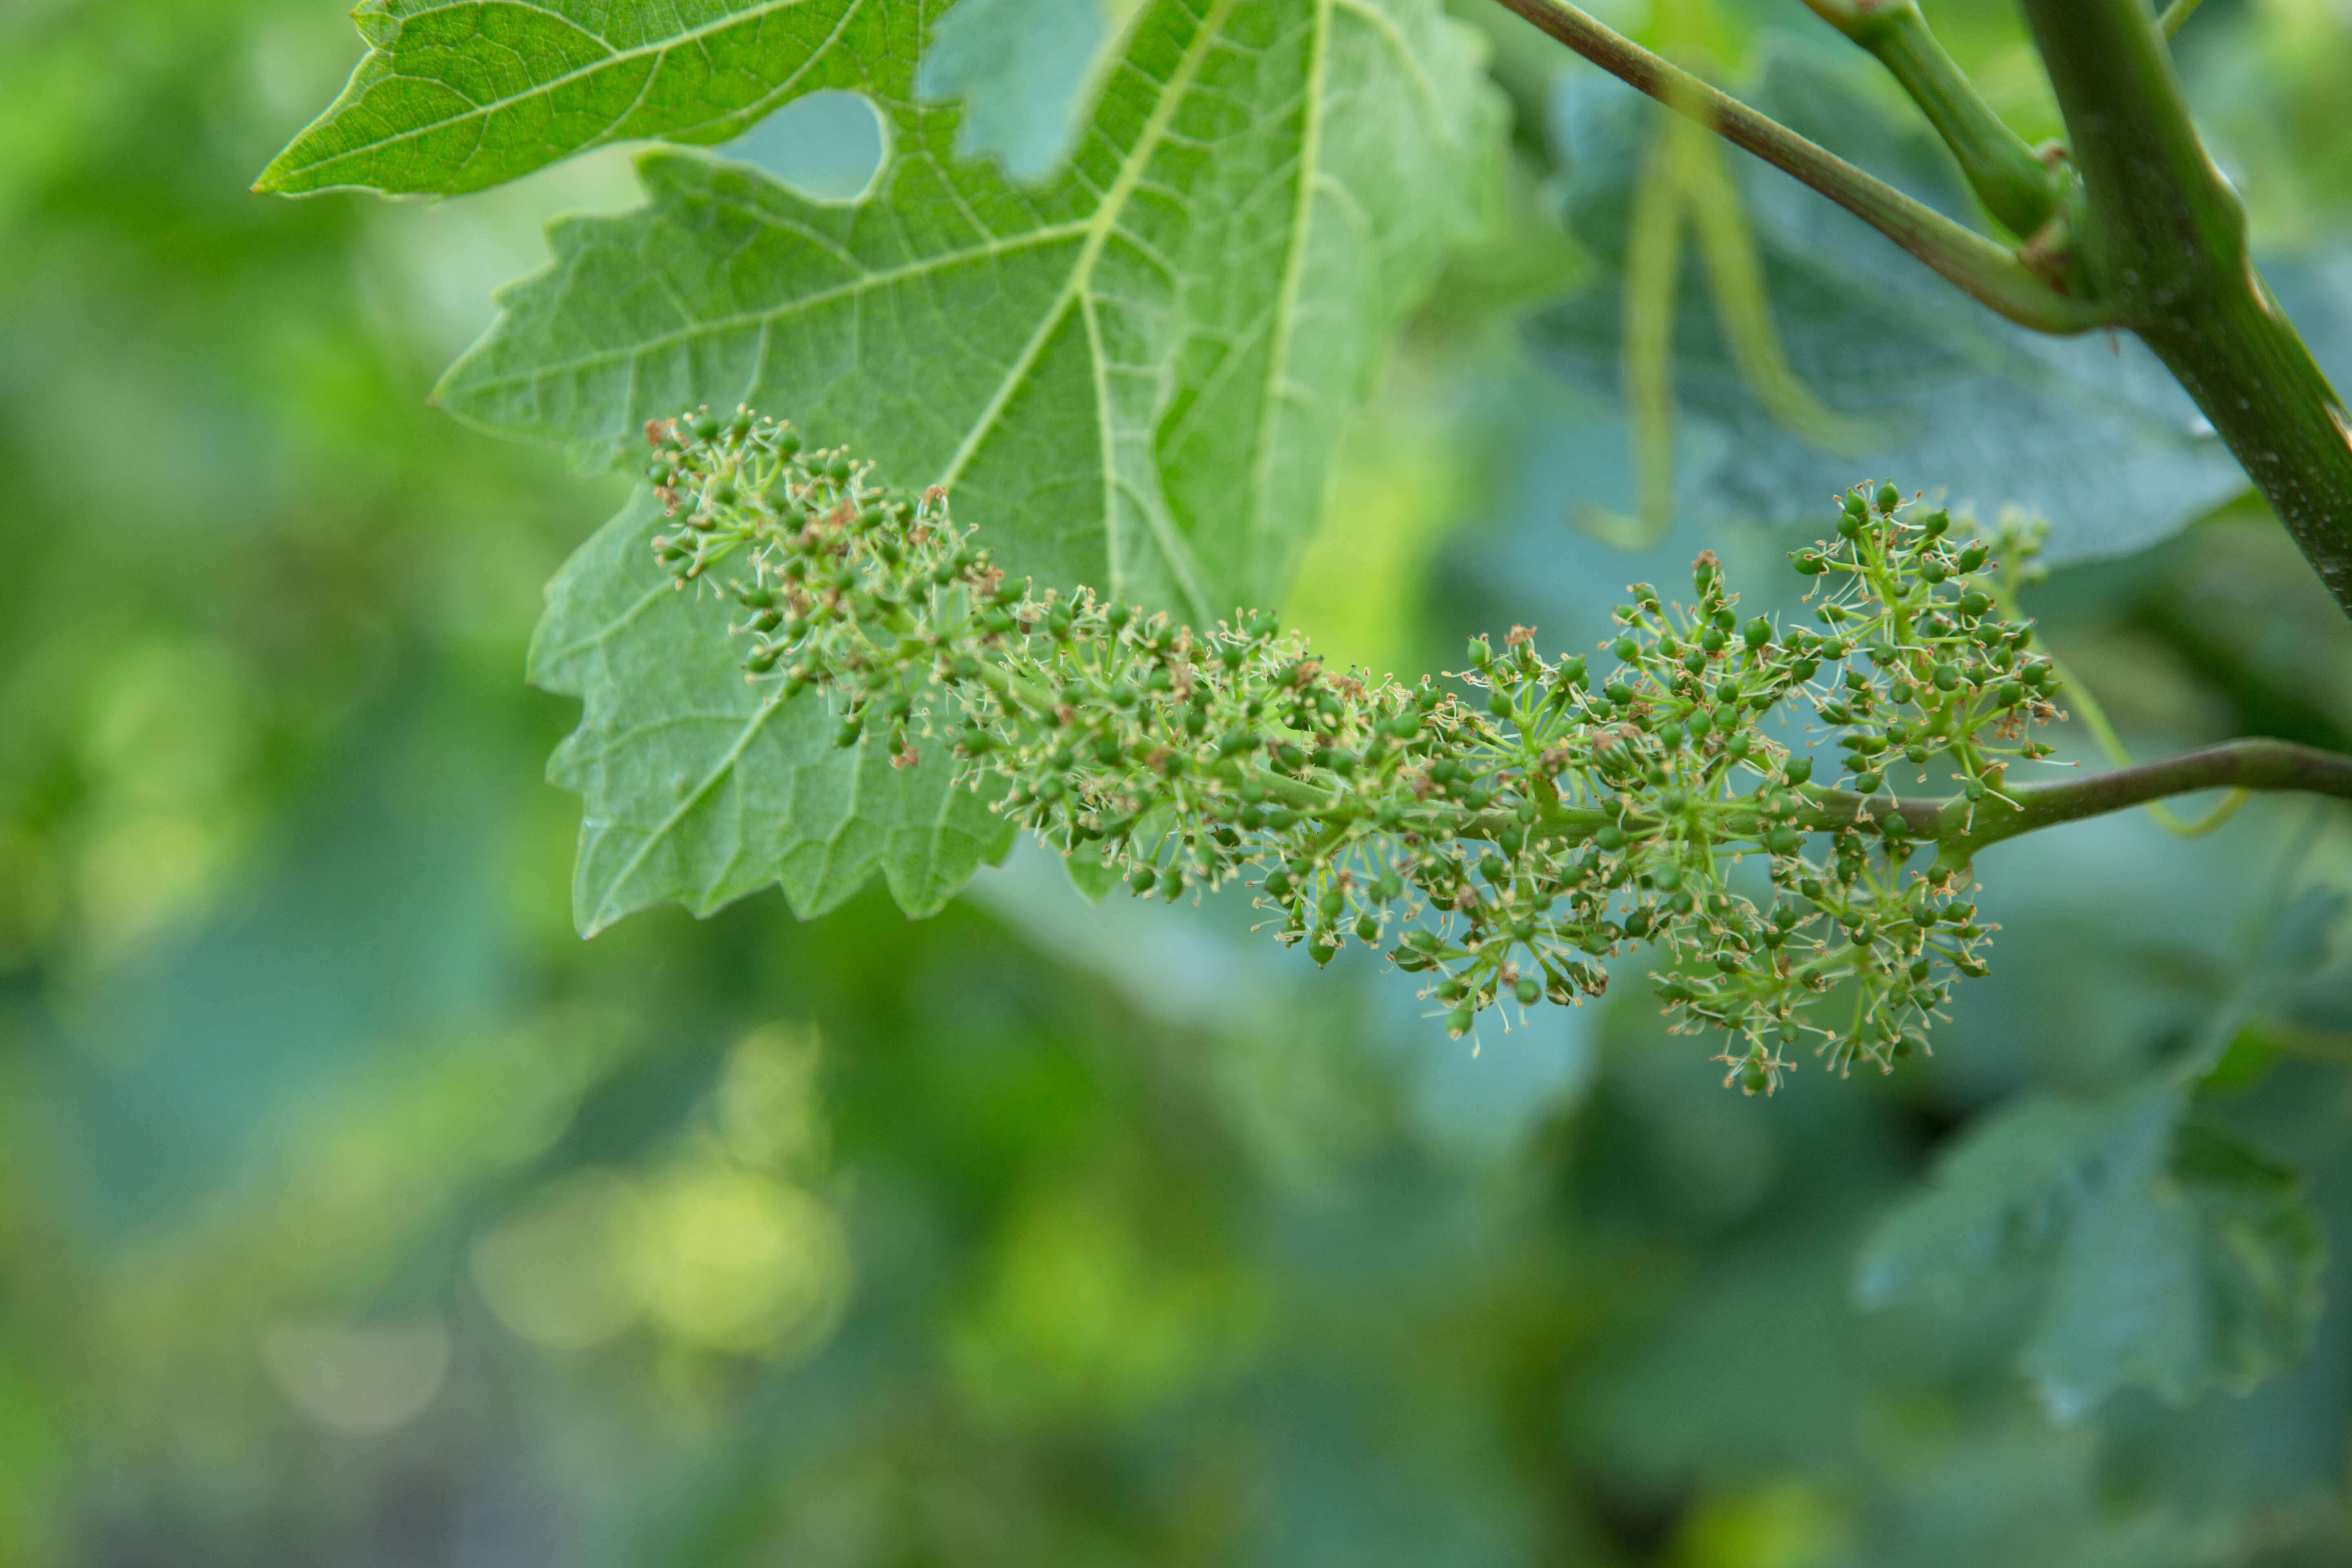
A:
x,y
351,1211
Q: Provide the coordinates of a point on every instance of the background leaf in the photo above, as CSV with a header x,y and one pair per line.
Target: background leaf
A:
x,y
693,787
1024,70
2171,1257
2206,1274
2089,432
457,95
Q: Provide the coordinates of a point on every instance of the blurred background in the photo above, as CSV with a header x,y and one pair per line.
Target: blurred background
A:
x,y
352,1211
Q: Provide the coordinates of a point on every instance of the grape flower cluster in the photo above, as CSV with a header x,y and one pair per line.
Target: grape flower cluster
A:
x,y
1503,837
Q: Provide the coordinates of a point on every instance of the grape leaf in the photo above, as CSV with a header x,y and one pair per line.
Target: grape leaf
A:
x,y
2089,432
1133,376
2170,1256
696,787
2207,1274
457,95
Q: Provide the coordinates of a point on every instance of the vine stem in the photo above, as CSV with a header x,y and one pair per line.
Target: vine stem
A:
x,y
1963,828
1983,269
2164,242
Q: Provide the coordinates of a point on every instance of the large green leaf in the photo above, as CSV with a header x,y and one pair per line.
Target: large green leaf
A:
x,y
1133,376
2169,1256
457,95
695,787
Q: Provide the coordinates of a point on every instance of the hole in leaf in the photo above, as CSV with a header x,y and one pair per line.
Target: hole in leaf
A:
x,y
826,145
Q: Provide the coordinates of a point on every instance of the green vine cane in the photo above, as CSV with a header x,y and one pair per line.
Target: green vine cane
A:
x,y
1503,840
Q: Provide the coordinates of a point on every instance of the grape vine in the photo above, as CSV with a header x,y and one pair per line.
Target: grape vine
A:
x,y
1505,838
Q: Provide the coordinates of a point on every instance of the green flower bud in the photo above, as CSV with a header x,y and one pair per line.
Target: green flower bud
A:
x,y
1529,991
1889,497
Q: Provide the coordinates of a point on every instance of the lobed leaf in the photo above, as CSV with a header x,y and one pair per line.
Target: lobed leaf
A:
x,y
1134,376
457,95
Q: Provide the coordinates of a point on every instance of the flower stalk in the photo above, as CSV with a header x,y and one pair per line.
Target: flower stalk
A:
x,y
1505,836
